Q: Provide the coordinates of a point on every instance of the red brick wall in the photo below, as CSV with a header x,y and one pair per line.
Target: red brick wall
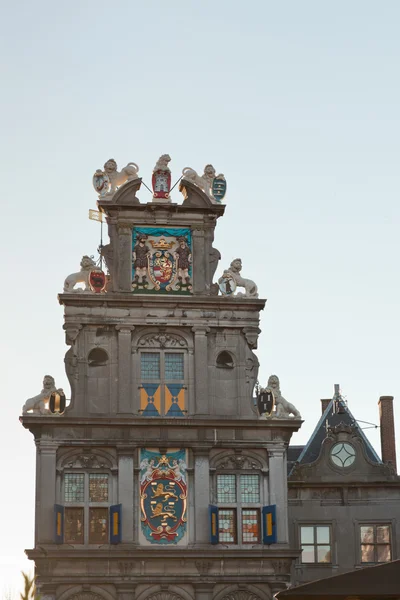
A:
x,y
388,441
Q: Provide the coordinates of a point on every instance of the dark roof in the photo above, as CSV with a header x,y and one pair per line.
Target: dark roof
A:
x,y
377,582
330,418
293,454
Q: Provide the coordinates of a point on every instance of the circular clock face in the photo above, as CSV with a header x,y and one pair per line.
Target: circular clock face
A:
x,y
343,455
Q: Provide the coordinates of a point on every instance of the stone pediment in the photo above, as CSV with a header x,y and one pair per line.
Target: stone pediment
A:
x,y
193,195
125,195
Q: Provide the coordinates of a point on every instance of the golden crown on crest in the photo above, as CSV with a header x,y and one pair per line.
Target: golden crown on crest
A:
x,y
161,244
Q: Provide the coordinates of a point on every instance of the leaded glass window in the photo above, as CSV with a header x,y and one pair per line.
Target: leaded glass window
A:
x,y
98,525
227,526
226,488
244,492
173,366
98,487
150,365
74,487
73,526
343,455
315,543
375,543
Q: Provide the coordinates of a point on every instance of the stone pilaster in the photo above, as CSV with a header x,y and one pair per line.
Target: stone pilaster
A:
x,y
201,370
126,493
124,369
202,495
199,279
278,490
204,591
47,481
124,257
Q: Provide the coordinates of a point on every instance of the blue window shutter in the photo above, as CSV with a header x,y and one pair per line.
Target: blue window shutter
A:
x,y
269,524
214,526
58,524
115,524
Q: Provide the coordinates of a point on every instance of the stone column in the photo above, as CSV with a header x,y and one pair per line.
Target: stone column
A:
x,y
124,369
46,491
126,493
278,490
201,370
201,495
199,258
204,591
124,257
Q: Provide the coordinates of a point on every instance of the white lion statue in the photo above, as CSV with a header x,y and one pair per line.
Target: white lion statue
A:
x,y
87,265
162,163
37,403
204,181
251,290
118,178
283,408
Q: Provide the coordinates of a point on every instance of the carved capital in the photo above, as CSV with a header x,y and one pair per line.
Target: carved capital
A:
x,y
251,334
124,228
125,329
71,332
200,330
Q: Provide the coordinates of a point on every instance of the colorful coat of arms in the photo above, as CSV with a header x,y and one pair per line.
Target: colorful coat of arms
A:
x,y
162,260
163,496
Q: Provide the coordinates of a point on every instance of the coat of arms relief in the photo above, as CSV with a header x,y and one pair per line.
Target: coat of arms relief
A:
x,y
161,260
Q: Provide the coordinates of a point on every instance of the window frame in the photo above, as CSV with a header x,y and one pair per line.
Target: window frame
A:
x,y
375,524
239,506
86,505
161,380
315,543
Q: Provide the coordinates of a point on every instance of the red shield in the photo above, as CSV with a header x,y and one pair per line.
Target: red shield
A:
x,y
161,182
97,281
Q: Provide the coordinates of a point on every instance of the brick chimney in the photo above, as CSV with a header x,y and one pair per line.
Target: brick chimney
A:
x,y
388,441
324,404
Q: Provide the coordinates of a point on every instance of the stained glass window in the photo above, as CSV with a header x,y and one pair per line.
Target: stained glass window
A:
x,y
74,487
375,543
315,543
227,526
250,526
226,488
250,488
150,364
98,487
73,526
98,525
173,365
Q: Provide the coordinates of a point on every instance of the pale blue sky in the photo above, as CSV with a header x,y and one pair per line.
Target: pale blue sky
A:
x,y
297,102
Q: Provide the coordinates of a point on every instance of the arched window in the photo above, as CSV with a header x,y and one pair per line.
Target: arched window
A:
x,y
225,360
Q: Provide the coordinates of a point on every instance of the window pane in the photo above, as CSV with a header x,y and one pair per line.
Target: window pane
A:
x,y
250,488
173,365
150,362
367,553
98,487
250,526
324,554
307,555
382,534
226,488
307,535
367,534
73,526
383,553
323,535
98,525
74,487
227,526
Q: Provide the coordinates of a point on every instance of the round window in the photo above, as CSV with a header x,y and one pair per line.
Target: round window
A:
x,y
343,455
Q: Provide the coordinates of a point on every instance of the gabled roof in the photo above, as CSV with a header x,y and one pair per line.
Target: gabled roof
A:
x,y
330,418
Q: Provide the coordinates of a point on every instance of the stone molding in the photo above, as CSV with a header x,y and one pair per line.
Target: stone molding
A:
x,y
162,340
87,460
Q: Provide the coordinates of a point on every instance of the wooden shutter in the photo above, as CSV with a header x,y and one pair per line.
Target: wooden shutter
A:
x,y
269,524
115,524
214,533
58,524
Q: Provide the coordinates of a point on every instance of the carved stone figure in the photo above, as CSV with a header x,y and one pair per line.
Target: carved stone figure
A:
x,y
251,290
283,408
161,179
183,258
205,181
87,265
162,163
106,182
140,255
37,403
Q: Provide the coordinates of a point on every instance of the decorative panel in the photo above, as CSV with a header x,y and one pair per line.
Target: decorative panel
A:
x,y
163,495
174,400
161,260
150,400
